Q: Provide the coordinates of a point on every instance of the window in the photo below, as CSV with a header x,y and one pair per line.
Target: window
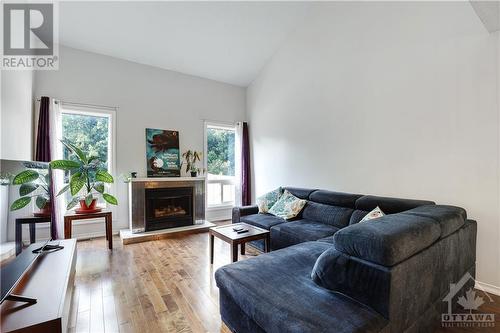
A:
x,y
220,163
92,131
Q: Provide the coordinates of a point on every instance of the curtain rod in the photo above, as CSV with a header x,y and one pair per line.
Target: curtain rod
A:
x,y
83,104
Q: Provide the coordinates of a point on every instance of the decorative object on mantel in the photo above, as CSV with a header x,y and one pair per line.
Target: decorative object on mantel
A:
x,y
127,177
34,183
162,153
87,173
191,156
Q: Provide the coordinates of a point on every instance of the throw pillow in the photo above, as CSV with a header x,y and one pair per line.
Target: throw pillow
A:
x,y
266,201
374,214
288,206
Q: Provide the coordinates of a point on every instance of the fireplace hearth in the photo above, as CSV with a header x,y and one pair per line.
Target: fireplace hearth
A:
x,y
168,208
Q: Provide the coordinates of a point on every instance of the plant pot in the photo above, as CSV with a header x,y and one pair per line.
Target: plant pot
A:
x,y
194,173
84,209
45,211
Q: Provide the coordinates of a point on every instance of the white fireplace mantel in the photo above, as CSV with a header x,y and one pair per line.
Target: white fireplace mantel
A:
x,y
138,187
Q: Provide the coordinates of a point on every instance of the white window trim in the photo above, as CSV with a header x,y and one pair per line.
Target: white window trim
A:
x,y
221,125
98,111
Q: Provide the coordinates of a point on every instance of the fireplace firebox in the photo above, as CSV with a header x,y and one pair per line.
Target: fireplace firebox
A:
x,y
169,208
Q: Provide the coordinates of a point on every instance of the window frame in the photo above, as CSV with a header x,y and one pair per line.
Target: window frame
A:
x,y
97,111
224,126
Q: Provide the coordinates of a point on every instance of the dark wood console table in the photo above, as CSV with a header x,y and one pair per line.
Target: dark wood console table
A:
x,y
106,214
31,220
51,281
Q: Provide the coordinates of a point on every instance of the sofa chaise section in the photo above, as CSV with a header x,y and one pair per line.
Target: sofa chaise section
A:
x,y
274,293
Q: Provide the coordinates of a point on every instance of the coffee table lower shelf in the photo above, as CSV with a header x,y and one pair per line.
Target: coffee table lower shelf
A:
x,y
227,234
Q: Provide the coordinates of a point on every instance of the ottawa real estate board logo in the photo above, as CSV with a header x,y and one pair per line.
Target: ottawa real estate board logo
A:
x,y
29,36
465,299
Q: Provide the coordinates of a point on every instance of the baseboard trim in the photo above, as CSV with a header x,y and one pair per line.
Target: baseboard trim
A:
x,y
488,287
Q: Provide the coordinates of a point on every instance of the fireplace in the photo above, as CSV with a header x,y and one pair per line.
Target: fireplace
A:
x,y
168,208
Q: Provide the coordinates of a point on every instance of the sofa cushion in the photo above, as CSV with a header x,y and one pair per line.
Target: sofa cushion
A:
x,y
288,206
332,215
266,201
388,240
291,233
301,193
450,218
374,214
275,290
389,205
334,198
357,215
265,221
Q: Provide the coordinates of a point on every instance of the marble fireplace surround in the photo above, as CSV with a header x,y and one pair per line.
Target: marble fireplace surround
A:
x,y
137,195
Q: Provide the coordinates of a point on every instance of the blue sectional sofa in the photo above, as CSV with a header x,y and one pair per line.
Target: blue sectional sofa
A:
x,y
329,273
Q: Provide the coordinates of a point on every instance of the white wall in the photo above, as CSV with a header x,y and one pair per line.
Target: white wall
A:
x,y
498,104
392,98
16,115
146,97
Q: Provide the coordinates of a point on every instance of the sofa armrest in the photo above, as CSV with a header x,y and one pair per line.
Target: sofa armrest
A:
x,y
242,211
361,280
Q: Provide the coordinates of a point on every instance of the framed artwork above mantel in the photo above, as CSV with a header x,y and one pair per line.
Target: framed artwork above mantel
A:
x,y
162,153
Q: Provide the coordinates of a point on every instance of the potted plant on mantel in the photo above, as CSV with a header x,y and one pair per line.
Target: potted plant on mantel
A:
x,y
191,156
88,175
33,184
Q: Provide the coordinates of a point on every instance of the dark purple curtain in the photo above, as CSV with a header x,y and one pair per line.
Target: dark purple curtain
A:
x,y
42,153
246,194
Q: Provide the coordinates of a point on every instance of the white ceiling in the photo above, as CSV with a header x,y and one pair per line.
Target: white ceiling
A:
x,y
223,41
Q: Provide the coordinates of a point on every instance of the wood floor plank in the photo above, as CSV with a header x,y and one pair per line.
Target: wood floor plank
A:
x,y
109,315
166,285
96,310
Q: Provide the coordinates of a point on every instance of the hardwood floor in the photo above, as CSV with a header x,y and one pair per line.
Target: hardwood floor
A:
x,y
159,286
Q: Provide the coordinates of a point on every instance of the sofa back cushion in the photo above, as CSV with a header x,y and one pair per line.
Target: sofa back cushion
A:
x,y
332,198
301,193
331,215
357,216
332,208
449,218
388,205
388,240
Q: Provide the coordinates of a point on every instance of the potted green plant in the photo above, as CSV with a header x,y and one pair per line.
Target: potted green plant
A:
x,y
87,175
191,156
33,184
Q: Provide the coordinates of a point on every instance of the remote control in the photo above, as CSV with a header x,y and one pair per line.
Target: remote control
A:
x,y
242,231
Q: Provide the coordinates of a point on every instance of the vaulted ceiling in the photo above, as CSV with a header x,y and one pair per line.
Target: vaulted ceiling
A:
x,y
489,13
224,41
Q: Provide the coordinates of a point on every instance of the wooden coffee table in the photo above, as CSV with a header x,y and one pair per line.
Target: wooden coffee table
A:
x,y
227,234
